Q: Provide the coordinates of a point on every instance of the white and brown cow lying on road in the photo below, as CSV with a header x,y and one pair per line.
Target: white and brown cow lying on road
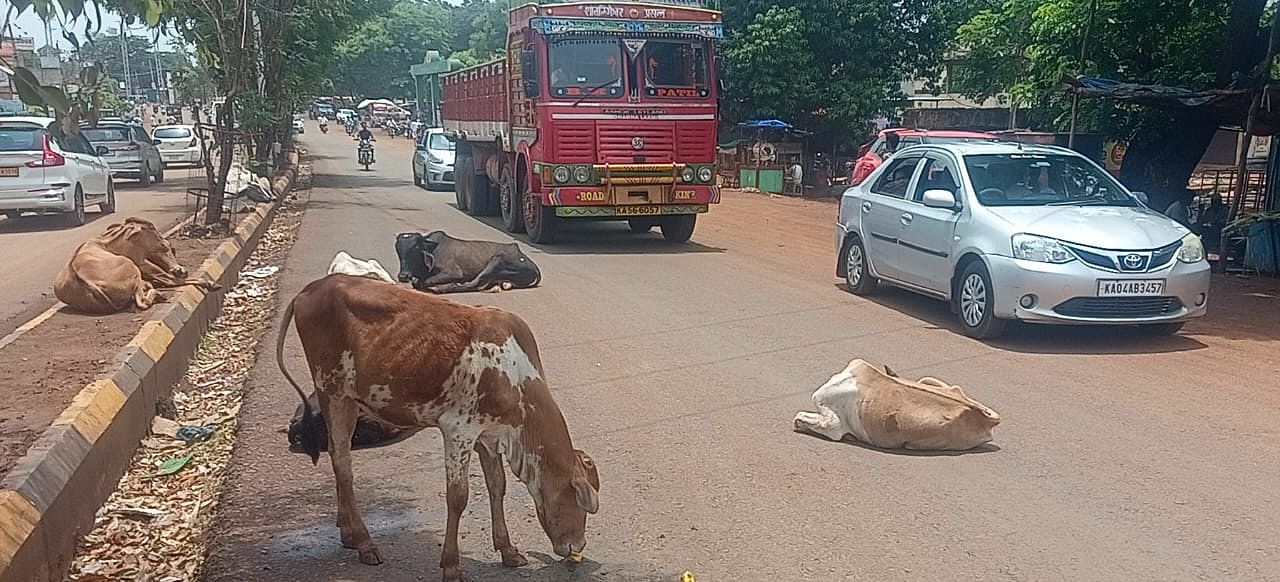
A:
x,y
881,409
411,360
349,265
120,268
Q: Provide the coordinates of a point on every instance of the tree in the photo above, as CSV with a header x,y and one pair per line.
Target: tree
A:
x,y
374,58
1024,48
829,65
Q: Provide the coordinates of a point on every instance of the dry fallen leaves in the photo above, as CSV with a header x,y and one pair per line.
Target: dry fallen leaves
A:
x,y
153,528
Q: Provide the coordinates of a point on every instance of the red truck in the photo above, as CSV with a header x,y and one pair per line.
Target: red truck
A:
x,y
598,111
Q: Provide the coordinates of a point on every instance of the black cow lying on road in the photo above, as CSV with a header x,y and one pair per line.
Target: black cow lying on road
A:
x,y
439,263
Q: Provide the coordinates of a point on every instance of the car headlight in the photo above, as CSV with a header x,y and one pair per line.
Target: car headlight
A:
x,y
686,175
560,174
1192,249
1030,247
705,174
581,174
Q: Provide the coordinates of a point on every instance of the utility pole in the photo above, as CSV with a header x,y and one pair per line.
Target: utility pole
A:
x,y
1075,95
124,60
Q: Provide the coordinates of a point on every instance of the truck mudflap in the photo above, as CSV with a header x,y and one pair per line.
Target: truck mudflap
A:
x,y
629,211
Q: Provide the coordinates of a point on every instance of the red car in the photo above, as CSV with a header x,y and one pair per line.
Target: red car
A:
x,y
871,155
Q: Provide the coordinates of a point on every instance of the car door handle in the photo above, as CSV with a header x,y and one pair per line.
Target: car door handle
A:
x,y
906,218
866,207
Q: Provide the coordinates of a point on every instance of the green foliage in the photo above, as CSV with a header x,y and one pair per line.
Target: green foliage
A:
x,y
829,65
1024,48
374,58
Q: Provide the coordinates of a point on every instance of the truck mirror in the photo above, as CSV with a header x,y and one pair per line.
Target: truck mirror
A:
x,y
529,70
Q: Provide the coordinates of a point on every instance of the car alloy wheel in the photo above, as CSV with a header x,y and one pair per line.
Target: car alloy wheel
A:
x,y
857,277
973,300
976,303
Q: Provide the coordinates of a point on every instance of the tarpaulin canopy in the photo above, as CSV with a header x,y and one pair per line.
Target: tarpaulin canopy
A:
x,y
1230,105
767,123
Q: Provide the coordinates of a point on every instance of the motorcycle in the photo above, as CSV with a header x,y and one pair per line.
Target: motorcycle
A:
x,y
364,153
324,125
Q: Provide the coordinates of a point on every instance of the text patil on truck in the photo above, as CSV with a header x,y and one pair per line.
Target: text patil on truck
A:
x,y
599,111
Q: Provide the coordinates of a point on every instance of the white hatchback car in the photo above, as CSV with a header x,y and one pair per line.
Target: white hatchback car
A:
x,y
45,172
178,144
1007,231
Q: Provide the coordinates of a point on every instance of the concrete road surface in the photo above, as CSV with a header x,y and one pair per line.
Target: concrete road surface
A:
x,y
34,248
679,369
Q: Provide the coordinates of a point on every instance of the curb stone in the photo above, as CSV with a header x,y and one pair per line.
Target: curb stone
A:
x,y
49,498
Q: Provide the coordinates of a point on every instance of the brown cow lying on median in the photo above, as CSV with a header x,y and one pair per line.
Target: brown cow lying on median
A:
x,y
883,410
121,267
410,360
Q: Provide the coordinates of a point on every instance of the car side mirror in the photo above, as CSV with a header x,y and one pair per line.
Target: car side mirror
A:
x,y
1142,197
155,142
420,146
529,70
939,199
102,150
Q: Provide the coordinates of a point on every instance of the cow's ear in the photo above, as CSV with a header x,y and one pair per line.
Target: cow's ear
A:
x,y
586,495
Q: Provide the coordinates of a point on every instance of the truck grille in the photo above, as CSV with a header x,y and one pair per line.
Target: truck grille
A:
x,y
575,143
1118,307
617,139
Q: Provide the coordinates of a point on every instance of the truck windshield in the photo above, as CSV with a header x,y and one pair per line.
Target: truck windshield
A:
x,y
675,69
585,67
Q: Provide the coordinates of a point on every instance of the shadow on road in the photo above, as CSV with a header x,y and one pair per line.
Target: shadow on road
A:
x,y
359,178
849,440
47,222
601,238
1040,339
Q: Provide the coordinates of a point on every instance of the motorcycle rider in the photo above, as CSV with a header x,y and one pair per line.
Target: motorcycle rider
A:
x,y
324,124
366,136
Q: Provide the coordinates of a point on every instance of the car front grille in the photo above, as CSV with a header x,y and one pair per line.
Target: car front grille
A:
x,y
1112,260
1118,307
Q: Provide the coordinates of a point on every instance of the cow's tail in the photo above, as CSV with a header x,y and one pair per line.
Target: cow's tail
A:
x,y
309,431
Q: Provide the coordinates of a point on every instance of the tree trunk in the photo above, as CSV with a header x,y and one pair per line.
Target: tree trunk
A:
x,y
1164,154
226,153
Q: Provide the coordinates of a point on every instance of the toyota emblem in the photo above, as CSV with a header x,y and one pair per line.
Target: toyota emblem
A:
x,y
1132,261
637,143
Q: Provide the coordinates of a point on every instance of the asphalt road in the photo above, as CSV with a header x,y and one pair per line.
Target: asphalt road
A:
x,y
679,369
34,248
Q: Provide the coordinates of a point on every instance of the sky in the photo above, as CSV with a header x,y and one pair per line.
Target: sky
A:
x,y
28,24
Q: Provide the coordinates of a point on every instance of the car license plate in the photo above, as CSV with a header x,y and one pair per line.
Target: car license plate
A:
x,y
641,210
1130,287
9,172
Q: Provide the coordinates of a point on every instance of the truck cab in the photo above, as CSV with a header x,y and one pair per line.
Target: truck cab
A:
x,y
599,111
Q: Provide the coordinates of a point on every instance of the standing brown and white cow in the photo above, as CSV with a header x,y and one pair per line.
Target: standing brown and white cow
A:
x,y
410,361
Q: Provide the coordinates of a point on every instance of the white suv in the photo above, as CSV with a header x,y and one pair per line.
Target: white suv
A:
x,y
43,171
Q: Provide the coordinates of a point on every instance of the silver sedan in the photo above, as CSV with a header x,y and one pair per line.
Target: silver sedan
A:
x,y
1008,231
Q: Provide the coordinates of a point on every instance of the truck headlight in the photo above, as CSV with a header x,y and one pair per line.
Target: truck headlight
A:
x,y
705,174
581,174
1192,249
687,174
1030,247
560,174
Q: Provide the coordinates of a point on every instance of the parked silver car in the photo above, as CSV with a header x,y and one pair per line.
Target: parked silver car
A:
x,y
433,160
131,151
1008,231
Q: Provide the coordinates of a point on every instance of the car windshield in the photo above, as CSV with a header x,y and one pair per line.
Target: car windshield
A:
x,y
21,137
103,134
675,68
1042,180
437,141
585,67
172,132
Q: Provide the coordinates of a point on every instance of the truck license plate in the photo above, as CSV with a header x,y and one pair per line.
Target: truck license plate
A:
x,y
1130,287
9,172
642,210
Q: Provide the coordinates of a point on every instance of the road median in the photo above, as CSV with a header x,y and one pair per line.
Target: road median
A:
x,y
49,497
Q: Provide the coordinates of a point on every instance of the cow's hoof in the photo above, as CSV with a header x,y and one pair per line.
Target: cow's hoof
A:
x,y
513,558
369,555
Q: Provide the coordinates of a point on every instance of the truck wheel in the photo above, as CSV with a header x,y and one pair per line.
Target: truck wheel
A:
x,y
539,221
679,228
460,183
510,202
481,192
